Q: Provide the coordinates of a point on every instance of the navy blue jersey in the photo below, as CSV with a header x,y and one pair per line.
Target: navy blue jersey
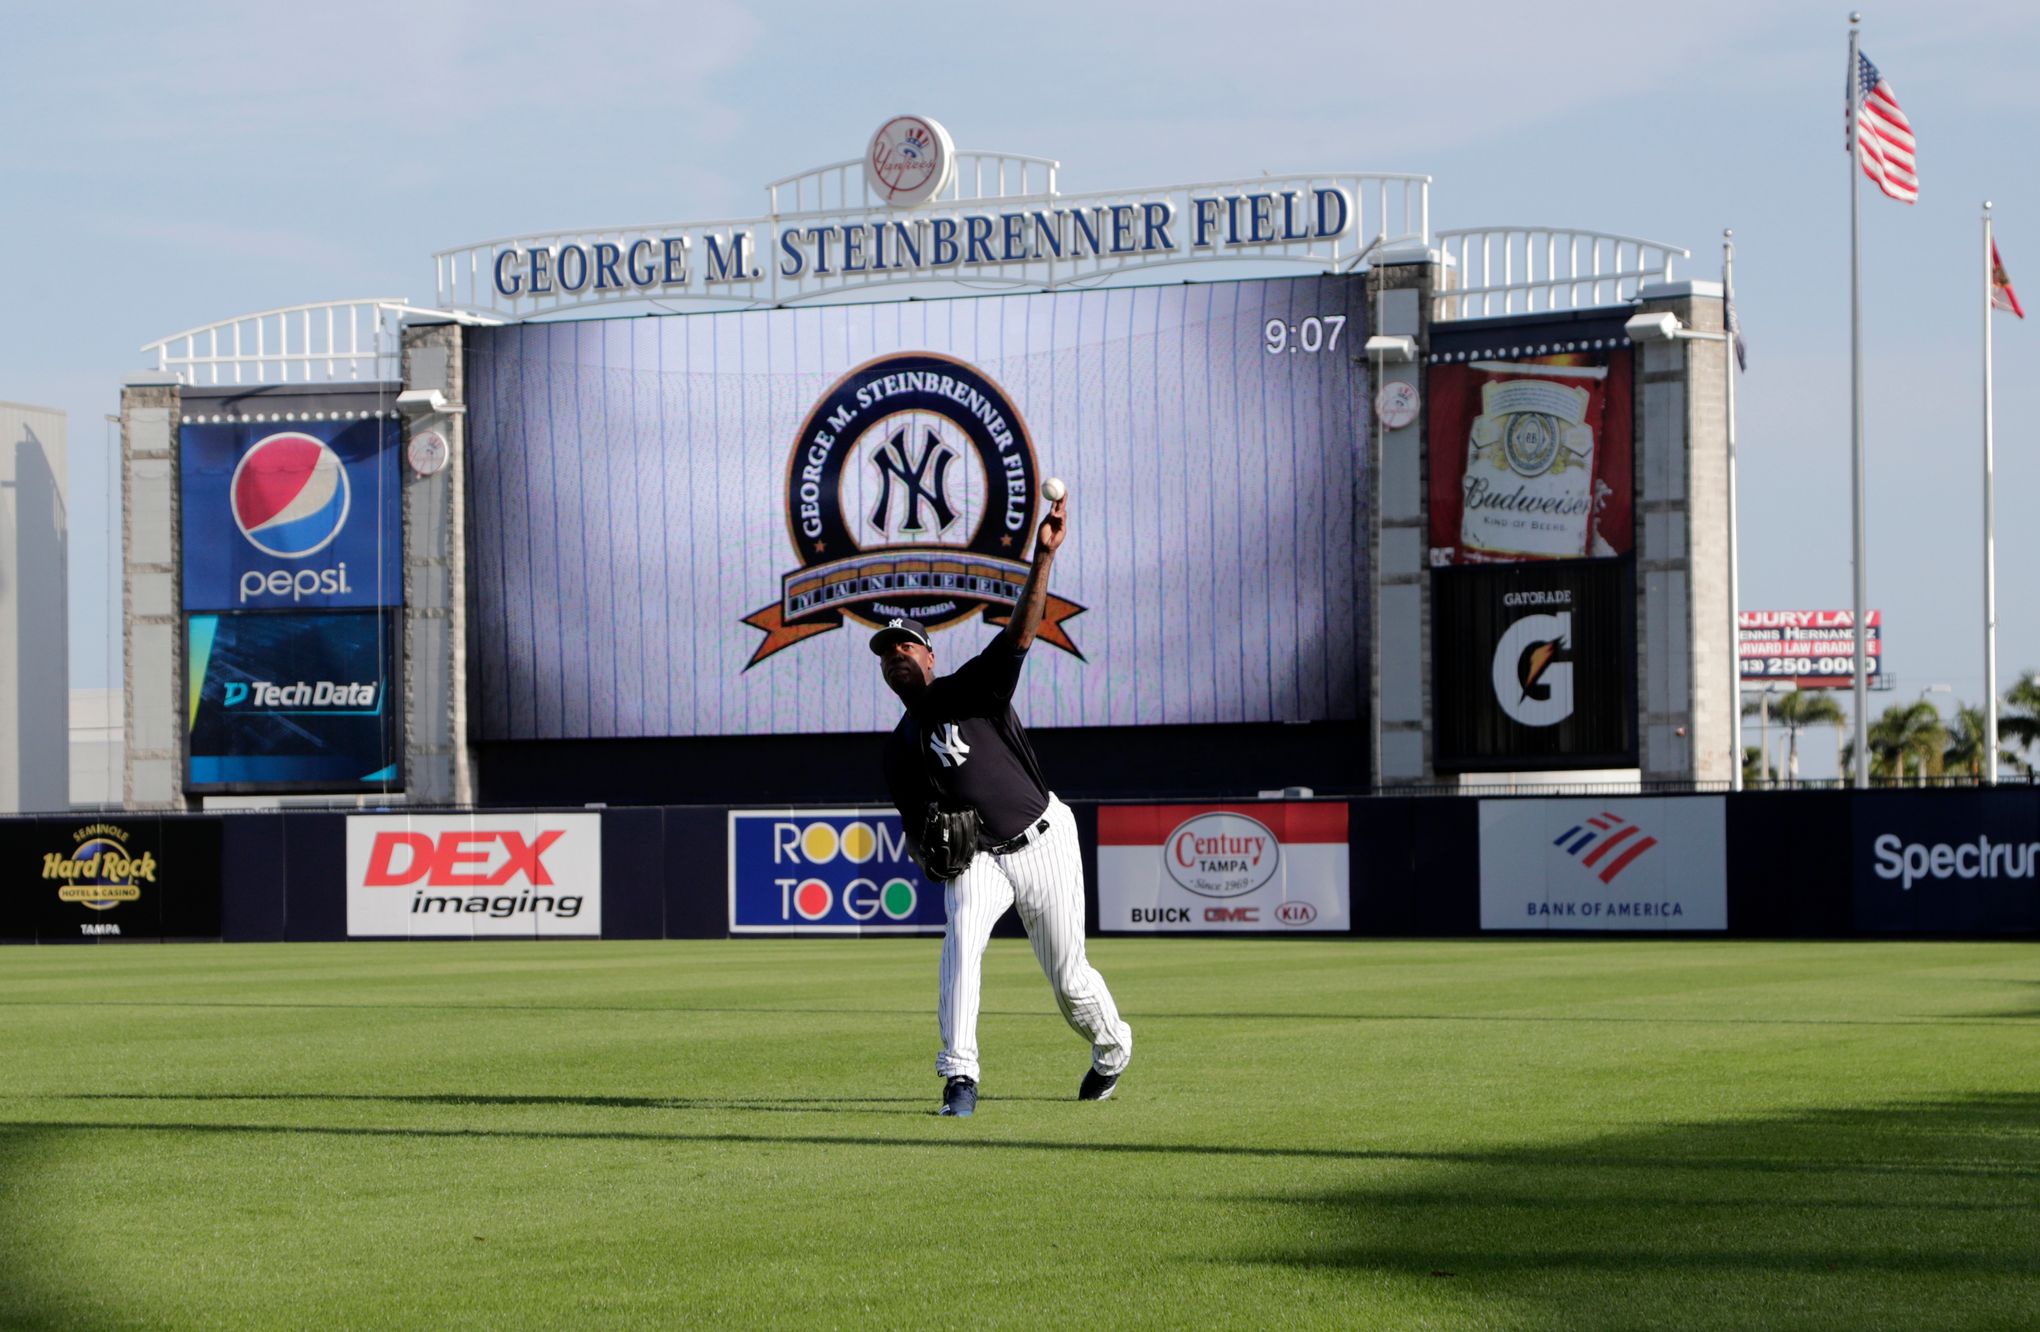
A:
x,y
962,746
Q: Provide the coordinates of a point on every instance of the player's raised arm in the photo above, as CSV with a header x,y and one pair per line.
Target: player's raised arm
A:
x,y
1034,593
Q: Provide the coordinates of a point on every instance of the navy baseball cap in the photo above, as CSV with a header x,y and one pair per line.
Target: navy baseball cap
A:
x,y
899,631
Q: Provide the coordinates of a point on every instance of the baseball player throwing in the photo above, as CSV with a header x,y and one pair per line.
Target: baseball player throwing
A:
x,y
960,750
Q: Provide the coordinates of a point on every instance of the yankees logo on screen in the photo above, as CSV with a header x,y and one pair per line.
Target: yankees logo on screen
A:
x,y
910,493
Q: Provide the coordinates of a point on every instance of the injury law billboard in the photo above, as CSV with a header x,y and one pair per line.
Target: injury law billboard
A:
x,y
474,876
690,525
827,871
1272,867
297,514
1812,649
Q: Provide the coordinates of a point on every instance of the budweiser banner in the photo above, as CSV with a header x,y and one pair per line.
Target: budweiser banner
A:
x,y
1531,458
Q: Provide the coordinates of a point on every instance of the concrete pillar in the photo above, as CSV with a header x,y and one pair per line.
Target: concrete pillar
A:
x,y
438,762
153,774
1400,287
1684,693
35,742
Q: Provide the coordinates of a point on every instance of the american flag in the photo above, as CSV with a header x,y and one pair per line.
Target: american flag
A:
x,y
1742,353
1884,138
2002,297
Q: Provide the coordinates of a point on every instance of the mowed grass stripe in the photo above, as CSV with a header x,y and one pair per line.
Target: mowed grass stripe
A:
x,y
1319,1133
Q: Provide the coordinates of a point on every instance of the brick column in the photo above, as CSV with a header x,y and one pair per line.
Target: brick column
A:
x,y
155,725
438,763
1401,289
1683,642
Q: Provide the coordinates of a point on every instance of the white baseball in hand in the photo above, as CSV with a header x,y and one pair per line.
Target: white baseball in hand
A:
x,y
1053,489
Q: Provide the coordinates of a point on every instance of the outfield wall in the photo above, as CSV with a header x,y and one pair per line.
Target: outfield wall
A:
x,y
1755,865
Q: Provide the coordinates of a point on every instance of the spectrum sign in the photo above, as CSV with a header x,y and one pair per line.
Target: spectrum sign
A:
x,y
827,871
291,516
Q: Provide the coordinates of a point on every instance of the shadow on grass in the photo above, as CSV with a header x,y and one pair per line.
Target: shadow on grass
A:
x,y
800,1105
1910,1214
2011,1018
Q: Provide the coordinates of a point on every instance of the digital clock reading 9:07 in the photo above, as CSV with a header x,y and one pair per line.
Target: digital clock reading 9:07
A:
x,y
1313,333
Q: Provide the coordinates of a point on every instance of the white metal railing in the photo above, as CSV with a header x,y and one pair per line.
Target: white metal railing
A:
x,y
324,342
841,185
1524,270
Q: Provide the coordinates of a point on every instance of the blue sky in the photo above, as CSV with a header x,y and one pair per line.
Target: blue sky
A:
x,y
167,167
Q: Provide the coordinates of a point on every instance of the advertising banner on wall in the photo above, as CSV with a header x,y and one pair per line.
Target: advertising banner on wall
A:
x,y
1611,863
299,515
1532,455
1954,862
282,702
1264,867
1809,649
1534,666
827,871
474,876
111,878
689,526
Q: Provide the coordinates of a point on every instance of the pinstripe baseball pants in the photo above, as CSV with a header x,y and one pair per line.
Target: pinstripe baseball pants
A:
x,y
1045,879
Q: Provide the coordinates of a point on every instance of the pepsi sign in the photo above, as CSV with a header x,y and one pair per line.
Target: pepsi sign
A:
x,y
828,871
299,515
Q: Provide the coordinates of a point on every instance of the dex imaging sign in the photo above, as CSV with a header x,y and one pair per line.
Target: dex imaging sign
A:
x,y
480,876
1611,864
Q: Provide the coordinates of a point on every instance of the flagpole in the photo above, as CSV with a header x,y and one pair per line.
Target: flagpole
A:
x,y
1728,364
1990,688
1862,684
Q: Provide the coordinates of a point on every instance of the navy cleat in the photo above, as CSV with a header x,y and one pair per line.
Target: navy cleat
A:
x,y
959,1098
1097,1086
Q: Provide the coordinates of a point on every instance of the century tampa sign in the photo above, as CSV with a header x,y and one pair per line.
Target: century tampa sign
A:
x,y
916,210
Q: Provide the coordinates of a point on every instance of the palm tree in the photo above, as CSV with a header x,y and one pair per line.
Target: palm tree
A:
x,y
1798,710
1966,749
2019,723
1752,766
1906,733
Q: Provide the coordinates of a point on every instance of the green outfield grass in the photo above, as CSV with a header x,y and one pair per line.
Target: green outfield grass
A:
x,y
1393,1134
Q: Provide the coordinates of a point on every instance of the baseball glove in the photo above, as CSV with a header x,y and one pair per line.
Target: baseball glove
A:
x,y
948,840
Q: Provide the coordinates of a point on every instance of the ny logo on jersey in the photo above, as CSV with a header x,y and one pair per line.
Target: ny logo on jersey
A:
x,y
916,485
949,747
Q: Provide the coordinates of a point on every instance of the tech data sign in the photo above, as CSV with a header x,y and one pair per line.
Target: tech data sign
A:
x,y
827,871
474,877
1613,863
1260,867
915,209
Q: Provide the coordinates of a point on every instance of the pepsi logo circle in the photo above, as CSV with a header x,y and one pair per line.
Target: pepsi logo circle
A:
x,y
290,495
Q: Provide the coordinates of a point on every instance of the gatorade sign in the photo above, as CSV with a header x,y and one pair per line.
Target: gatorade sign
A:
x,y
827,871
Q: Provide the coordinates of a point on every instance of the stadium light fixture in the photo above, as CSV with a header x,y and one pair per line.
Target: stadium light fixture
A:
x,y
1664,326
414,403
1392,349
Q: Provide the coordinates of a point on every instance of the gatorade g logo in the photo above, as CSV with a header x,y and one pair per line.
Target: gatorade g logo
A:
x,y
1533,671
290,496
910,493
